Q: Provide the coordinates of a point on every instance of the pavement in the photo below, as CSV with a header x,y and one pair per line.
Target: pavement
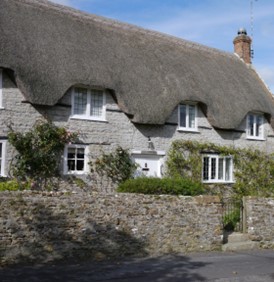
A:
x,y
251,266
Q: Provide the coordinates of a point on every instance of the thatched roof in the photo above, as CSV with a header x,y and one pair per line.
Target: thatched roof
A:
x,y
51,48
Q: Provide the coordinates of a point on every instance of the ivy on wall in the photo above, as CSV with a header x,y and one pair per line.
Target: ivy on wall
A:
x,y
253,169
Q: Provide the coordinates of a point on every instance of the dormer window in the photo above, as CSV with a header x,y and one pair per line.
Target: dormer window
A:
x,y
188,117
88,103
255,126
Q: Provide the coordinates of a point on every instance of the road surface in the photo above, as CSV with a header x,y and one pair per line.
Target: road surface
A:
x,y
252,266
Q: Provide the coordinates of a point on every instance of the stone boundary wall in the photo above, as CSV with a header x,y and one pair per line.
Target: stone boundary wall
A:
x,y
46,226
260,220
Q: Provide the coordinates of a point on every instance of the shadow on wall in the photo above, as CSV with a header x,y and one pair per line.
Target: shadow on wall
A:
x,y
40,234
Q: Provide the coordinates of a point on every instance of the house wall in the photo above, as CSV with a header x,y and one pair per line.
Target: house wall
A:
x,y
117,129
15,113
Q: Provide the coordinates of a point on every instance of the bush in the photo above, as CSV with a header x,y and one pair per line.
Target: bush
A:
x,y
158,186
12,185
39,152
231,220
117,166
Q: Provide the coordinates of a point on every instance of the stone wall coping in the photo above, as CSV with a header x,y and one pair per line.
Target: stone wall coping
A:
x,y
202,199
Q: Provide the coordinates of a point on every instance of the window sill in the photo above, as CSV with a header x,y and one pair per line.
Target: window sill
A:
x,y
218,182
75,173
89,118
255,138
190,130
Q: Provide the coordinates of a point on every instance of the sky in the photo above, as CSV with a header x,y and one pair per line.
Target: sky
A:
x,y
213,23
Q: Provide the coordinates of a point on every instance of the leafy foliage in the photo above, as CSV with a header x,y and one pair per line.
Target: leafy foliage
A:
x,y
117,166
13,185
254,173
231,220
158,186
39,151
253,169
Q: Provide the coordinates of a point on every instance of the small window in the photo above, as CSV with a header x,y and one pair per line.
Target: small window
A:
x,y
188,117
2,157
75,159
255,126
88,103
217,168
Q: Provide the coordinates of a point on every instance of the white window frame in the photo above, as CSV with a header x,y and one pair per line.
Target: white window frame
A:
x,y
65,158
214,175
256,122
87,115
3,158
1,89
187,127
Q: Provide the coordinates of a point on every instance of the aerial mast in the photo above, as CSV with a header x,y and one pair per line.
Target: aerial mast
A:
x,y
252,26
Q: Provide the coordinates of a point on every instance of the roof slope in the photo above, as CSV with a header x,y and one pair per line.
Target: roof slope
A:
x,y
51,48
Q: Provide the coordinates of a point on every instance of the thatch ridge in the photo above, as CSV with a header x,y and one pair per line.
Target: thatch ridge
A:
x,y
51,48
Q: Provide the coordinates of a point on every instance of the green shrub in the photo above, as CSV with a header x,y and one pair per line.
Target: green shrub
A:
x,y
117,166
158,186
231,220
39,152
13,185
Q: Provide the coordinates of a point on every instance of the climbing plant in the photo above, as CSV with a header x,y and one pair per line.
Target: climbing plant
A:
x,y
117,165
38,152
253,169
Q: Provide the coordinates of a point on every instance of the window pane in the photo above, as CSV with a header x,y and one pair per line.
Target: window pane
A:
x,y
206,168
71,165
221,169
259,124
213,168
71,153
96,107
250,125
80,153
228,169
182,115
80,101
80,165
191,116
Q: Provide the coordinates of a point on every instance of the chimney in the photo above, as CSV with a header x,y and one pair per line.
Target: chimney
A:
x,y
242,46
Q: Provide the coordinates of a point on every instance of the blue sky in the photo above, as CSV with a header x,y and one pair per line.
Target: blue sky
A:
x,y
210,22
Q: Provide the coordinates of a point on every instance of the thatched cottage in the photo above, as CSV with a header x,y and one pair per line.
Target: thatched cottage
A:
x,y
118,84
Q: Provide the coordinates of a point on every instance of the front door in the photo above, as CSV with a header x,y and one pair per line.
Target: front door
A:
x,y
148,165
